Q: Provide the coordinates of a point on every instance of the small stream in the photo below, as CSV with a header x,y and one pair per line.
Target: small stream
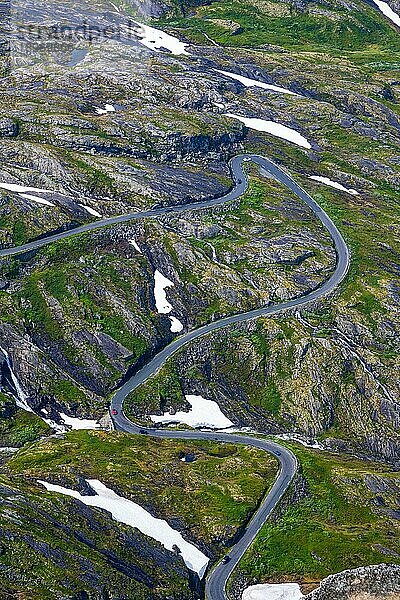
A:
x,y
20,397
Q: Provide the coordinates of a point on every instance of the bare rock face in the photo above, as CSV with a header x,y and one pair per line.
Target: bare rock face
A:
x,y
375,582
133,568
8,128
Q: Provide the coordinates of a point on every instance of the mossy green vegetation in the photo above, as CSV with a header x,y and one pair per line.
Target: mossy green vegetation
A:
x,y
17,426
365,290
262,216
68,393
213,496
337,524
271,400
39,314
157,393
53,546
75,290
96,180
252,25
294,372
79,292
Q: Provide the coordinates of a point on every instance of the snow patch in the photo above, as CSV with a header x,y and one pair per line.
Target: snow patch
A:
x,y
134,244
204,413
334,184
76,423
239,430
388,12
246,81
23,191
176,325
306,443
90,210
276,129
20,189
273,591
130,513
58,428
155,39
160,285
107,109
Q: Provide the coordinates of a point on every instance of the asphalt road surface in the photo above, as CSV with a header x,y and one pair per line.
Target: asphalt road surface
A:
x,y
217,579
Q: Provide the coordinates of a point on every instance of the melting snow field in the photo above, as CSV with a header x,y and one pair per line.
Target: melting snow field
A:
x,y
274,591
388,12
90,210
155,39
130,513
76,423
176,325
161,283
334,184
306,443
56,426
109,108
204,413
276,129
254,83
22,190
135,245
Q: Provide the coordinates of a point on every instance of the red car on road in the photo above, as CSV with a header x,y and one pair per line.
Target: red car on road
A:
x,y
114,411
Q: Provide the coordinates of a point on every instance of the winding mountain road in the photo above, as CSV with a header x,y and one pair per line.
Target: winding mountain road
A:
x,y
216,581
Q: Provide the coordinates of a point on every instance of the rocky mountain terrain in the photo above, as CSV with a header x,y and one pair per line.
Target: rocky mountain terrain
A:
x,y
98,118
94,557
375,582
365,583
79,549
168,142
341,513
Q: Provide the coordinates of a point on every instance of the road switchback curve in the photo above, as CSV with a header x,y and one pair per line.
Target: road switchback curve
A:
x,y
218,577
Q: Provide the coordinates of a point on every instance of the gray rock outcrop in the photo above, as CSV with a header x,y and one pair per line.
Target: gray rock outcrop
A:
x,y
374,582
